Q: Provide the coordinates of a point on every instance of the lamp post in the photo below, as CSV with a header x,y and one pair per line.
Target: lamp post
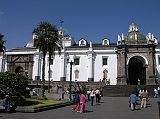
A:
x,y
70,81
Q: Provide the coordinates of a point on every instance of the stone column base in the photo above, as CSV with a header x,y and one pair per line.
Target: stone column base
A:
x,y
151,80
90,79
62,78
121,80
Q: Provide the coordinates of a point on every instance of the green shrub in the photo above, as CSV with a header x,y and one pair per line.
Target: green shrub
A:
x,y
12,84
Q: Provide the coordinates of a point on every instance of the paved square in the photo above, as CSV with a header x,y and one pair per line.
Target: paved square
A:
x,y
109,108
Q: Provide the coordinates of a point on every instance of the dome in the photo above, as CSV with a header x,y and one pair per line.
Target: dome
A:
x,y
135,35
30,43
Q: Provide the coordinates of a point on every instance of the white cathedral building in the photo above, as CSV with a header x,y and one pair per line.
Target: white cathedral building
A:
x,y
134,59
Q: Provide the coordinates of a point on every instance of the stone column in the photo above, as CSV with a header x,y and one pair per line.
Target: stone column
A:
x,y
151,68
63,67
90,66
121,62
37,67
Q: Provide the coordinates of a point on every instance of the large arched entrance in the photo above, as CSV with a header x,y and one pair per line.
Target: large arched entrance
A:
x,y
136,71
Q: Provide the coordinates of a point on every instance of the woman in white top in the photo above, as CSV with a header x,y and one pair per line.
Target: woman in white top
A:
x,y
92,95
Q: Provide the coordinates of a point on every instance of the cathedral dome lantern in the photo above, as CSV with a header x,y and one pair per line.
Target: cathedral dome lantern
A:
x,y
134,35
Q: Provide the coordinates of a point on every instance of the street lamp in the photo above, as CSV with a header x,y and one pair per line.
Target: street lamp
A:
x,y
70,81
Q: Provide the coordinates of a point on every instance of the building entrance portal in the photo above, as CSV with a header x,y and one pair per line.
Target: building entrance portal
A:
x,y
136,71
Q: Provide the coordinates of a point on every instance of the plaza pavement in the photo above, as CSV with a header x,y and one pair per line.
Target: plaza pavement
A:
x,y
109,108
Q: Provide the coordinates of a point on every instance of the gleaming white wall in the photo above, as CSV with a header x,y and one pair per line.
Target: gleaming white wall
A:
x,y
82,67
111,67
56,68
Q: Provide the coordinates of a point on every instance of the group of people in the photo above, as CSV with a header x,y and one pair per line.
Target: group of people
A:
x,y
79,101
80,98
142,95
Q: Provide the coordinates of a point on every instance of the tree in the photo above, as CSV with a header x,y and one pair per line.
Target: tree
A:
x,y
54,45
47,40
12,84
2,47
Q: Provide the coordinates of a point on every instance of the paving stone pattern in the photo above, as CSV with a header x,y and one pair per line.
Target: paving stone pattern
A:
x,y
109,108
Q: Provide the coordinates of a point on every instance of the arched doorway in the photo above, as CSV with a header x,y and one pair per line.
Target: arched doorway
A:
x,y
136,71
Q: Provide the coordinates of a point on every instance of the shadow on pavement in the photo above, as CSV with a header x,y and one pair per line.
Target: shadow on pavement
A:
x,y
88,111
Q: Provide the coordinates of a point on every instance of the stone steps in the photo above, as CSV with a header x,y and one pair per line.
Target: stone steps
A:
x,y
125,90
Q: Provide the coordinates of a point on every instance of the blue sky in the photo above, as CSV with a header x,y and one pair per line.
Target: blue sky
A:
x,y
89,19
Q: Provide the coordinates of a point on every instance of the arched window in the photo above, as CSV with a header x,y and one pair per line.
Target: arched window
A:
x,y
105,72
105,42
82,42
76,74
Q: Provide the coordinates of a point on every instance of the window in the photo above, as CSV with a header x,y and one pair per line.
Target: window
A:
x,y
105,60
76,74
105,42
67,60
76,61
105,74
82,42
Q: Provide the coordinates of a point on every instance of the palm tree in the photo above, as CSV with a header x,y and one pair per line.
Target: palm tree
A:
x,y
54,45
47,40
2,47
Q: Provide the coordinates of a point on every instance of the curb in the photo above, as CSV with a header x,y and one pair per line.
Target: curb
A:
x,y
33,109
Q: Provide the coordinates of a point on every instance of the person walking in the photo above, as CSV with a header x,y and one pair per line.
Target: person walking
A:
x,y
92,95
97,92
144,97
155,93
82,102
101,93
132,101
6,104
76,102
88,94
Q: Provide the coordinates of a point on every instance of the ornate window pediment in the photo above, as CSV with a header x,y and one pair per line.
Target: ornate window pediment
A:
x,y
82,42
105,41
19,58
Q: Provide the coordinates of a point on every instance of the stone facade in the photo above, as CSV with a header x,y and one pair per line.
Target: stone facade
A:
x,y
136,59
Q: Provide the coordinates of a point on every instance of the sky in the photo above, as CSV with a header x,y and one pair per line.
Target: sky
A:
x,y
92,20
